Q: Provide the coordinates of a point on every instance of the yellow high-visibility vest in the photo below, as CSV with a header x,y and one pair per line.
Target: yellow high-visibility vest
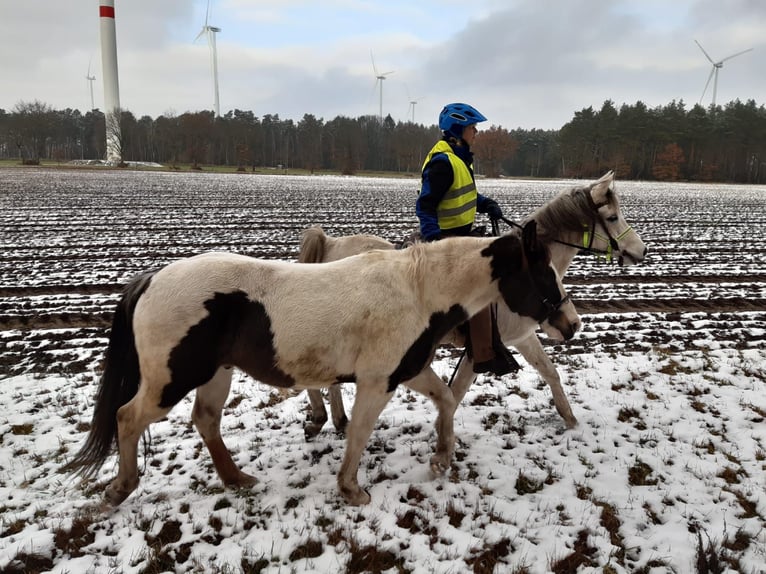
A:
x,y
458,206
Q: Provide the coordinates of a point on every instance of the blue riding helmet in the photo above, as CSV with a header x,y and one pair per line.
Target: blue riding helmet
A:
x,y
454,117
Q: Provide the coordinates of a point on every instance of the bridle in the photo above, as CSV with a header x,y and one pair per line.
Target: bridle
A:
x,y
552,308
588,235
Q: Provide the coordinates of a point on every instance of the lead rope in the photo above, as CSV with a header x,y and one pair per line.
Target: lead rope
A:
x,y
457,366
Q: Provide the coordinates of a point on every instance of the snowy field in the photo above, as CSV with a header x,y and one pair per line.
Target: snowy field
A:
x,y
666,471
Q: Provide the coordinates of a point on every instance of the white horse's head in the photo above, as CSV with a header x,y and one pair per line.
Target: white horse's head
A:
x,y
620,238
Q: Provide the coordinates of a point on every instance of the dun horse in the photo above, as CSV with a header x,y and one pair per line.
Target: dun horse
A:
x,y
581,218
186,326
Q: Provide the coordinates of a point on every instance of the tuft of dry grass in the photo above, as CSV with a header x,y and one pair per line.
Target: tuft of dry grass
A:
x,y
22,429
580,556
485,560
639,473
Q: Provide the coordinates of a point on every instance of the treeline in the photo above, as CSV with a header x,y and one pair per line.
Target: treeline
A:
x,y
720,143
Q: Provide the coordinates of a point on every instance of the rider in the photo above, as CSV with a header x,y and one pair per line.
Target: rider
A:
x,y
447,206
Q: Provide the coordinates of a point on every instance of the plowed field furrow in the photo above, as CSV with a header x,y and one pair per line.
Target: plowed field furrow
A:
x,y
70,241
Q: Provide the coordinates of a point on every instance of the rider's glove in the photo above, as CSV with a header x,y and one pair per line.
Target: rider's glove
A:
x,y
494,211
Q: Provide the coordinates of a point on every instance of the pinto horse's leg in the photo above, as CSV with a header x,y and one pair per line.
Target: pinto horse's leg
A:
x,y
430,385
318,414
371,397
132,420
339,418
206,416
532,350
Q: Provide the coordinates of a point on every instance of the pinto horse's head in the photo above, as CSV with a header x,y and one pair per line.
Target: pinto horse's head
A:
x,y
530,285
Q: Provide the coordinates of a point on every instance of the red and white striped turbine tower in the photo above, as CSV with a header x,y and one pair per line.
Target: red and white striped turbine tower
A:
x,y
111,82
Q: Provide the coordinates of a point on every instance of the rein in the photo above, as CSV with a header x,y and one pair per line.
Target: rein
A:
x,y
588,235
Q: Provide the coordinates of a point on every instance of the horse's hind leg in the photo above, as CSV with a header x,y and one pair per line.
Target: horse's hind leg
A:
x,y
206,416
339,418
318,414
371,397
132,420
430,385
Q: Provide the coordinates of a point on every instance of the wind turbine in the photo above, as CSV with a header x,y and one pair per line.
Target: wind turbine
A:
x,y
112,112
714,71
210,32
91,79
379,80
411,109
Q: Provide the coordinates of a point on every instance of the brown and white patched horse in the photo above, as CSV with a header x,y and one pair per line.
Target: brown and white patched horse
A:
x,y
586,217
184,327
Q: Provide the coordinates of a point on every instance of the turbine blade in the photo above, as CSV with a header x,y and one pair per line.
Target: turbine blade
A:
x,y
201,32
710,77
735,55
704,52
374,69
207,13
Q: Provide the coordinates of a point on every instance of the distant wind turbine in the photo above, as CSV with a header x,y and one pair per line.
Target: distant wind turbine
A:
x,y
411,109
379,80
91,79
714,71
210,32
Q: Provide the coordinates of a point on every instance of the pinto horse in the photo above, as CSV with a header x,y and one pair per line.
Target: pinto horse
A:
x,y
186,326
581,218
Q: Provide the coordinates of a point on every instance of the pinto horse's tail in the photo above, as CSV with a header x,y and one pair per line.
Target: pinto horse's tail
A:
x,y
313,245
119,383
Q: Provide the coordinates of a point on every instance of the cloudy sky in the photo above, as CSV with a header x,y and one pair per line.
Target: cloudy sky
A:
x,y
523,63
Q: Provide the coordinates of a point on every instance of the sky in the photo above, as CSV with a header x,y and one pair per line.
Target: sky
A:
x,y
522,63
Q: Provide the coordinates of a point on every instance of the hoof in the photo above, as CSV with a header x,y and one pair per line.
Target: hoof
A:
x,y
114,496
340,425
439,465
242,480
571,423
311,430
355,497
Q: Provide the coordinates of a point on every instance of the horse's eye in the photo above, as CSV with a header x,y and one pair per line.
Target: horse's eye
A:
x,y
612,219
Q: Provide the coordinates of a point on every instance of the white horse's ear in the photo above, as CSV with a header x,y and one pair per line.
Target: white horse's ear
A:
x,y
601,188
608,176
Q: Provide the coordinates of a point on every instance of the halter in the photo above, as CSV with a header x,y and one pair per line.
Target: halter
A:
x,y
588,235
552,308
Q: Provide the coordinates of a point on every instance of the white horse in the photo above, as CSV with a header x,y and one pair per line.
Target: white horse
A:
x,y
581,218
184,327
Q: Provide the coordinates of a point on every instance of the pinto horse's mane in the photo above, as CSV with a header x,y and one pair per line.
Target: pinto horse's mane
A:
x,y
417,268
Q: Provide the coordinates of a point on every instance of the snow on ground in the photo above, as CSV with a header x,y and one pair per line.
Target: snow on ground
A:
x,y
666,471
666,467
